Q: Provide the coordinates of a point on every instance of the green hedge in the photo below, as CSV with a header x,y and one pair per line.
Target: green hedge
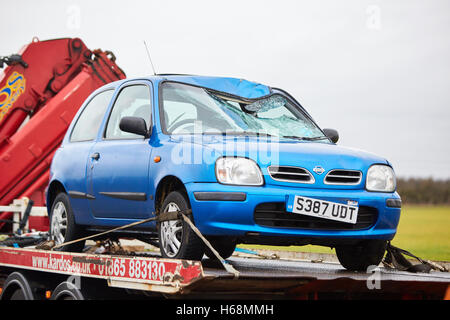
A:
x,y
424,191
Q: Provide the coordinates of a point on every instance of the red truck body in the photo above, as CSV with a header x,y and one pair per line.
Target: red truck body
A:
x,y
40,92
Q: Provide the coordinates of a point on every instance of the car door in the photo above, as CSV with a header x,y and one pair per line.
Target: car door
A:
x,y
119,162
77,150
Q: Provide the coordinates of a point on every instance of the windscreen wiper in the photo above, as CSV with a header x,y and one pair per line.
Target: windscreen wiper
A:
x,y
306,138
247,133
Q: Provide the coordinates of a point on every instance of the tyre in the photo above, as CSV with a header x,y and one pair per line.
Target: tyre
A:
x,y
17,287
359,257
176,239
62,225
67,291
224,246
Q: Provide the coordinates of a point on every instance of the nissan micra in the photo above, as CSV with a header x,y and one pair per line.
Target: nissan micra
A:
x,y
247,159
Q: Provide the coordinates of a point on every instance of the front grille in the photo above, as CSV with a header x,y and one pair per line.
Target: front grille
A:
x,y
290,174
274,214
343,177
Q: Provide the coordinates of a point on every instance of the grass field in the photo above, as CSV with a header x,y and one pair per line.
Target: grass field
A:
x,y
423,230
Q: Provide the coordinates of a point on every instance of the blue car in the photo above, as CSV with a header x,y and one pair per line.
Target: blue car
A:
x,y
247,159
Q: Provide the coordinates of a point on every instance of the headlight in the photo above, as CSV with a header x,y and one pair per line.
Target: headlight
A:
x,y
380,178
239,171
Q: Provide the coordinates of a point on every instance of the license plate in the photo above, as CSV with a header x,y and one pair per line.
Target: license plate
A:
x,y
323,209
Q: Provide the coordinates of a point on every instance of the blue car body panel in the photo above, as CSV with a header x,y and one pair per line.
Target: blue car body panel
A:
x,y
127,166
236,218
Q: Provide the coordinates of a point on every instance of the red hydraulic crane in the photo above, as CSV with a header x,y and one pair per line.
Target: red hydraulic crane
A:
x,y
41,89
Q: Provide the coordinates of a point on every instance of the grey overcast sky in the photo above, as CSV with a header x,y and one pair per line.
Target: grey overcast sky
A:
x,y
378,71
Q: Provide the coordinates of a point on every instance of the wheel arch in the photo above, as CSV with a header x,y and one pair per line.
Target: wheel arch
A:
x,y
54,189
166,185
17,281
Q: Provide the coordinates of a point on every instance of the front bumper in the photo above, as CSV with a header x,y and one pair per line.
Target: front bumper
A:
x,y
223,210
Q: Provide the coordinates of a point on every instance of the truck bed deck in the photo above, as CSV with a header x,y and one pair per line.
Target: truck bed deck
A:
x,y
258,278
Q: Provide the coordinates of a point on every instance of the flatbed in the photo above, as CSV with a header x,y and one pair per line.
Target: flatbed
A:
x,y
104,276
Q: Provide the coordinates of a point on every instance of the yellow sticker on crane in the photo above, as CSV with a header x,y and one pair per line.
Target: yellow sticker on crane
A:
x,y
14,87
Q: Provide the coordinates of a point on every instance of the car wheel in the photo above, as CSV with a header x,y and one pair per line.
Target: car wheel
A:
x,y
359,257
224,246
176,239
62,225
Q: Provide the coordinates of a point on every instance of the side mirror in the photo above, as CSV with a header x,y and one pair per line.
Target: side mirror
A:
x,y
134,125
332,134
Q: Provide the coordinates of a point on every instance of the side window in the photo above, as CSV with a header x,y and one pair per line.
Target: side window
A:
x,y
88,123
132,101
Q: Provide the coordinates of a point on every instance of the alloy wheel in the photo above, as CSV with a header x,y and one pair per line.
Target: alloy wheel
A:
x,y
171,232
59,223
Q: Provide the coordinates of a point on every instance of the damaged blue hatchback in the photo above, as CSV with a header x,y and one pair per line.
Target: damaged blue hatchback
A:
x,y
247,159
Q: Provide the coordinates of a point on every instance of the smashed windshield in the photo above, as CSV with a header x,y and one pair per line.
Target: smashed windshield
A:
x,y
192,110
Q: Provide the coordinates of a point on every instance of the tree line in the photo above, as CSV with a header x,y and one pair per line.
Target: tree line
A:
x,y
424,191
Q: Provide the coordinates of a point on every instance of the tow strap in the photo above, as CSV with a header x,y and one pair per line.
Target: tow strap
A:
x,y
165,216
395,259
228,267
162,217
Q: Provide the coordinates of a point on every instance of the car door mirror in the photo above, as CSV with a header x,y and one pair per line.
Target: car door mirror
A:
x,y
332,134
134,125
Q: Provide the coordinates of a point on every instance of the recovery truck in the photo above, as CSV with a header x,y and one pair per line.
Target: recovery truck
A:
x,y
41,89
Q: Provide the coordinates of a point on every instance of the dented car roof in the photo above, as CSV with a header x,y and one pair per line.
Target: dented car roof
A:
x,y
234,86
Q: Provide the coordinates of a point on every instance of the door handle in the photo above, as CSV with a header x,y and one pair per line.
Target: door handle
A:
x,y
95,156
